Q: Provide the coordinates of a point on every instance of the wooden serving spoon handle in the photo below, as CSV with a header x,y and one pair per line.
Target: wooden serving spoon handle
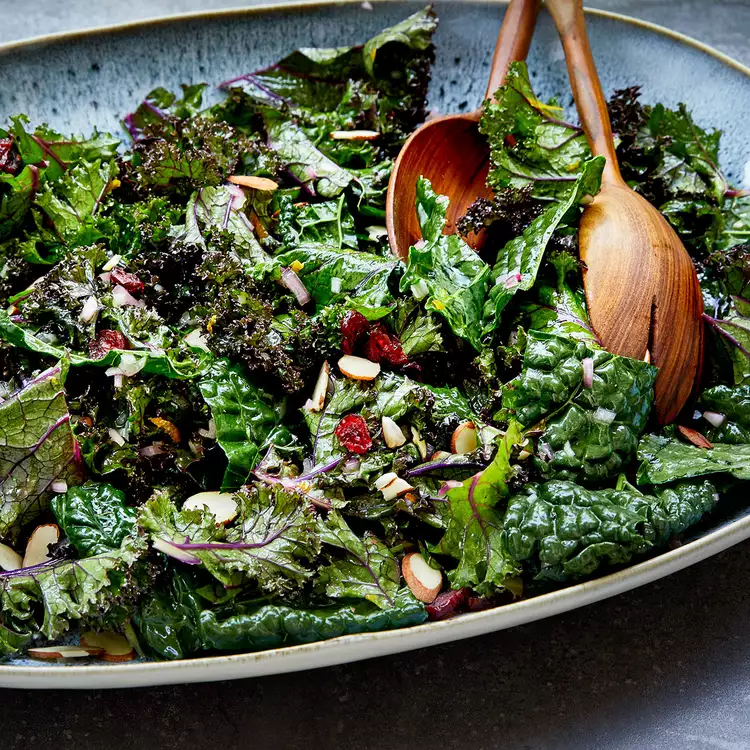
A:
x,y
513,41
587,88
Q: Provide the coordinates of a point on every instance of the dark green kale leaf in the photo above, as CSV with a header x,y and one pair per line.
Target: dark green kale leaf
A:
x,y
368,570
665,459
161,106
94,518
587,433
445,270
474,526
248,420
418,331
561,531
328,223
37,449
733,404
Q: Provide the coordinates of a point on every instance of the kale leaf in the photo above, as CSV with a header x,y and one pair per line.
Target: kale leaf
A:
x,y
733,403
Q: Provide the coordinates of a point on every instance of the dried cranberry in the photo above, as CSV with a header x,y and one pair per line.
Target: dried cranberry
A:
x,y
354,325
10,161
127,280
106,340
382,347
446,604
510,140
353,434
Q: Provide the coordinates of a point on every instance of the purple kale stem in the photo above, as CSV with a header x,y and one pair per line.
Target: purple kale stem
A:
x,y
46,375
135,132
438,465
717,325
321,469
34,448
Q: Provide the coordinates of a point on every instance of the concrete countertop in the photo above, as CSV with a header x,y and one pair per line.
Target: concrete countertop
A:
x,y
664,667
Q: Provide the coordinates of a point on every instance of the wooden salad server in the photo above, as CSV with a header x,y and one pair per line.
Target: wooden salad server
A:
x,y
449,150
642,290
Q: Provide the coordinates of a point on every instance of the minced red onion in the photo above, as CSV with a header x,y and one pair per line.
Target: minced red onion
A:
x,y
210,432
238,196
335,285
350,466
59,486
545,452
121,297
604,416
149,451
197,340
714,418
90,310
106,277
115,436
448,485
118,380
294,284
588,372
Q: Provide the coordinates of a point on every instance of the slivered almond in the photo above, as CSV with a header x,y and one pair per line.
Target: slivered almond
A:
x,y
257,183
63,652
114,647
396,488
37,547
9,558
318,399
695,437
464,438
440,455
385,480
358,368
392,433
355,135
221,505
421,444
425,582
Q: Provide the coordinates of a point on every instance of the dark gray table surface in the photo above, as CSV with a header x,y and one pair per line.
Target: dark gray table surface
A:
x,y
666,666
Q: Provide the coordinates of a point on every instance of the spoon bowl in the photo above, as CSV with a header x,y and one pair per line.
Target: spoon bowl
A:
x,y
449,150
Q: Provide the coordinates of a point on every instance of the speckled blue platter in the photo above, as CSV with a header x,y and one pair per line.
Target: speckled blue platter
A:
x,y
76,82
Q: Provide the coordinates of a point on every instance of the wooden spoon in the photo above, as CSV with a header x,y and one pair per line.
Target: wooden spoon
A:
x,y
450,151
642,291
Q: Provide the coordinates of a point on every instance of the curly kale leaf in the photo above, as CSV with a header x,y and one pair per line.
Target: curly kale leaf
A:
x,y
248,420
734,405
474,525
47,598
269,542
37,448
445,270
94,518
161,105
665,459
368,569
560,530
529,145
518,263
587,433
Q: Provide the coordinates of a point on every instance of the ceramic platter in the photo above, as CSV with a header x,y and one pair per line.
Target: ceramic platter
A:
x,y
81,80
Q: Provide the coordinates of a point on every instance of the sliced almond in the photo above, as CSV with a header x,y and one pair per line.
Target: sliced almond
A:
x,y
396,488
9,558
355,135
421,444
63,652
221,505
392,433
695,437
318,399
464,438
440,456
385,480
425,582
37,547
358,368
257,183
114,647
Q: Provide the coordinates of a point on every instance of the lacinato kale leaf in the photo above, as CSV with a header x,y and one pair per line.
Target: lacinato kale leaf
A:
x,y
474,526
665,459
37,449
445,270
367,570
588,433
248,420
561,531
94,518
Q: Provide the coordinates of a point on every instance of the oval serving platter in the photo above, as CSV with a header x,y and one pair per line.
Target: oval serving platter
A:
x,y
80,80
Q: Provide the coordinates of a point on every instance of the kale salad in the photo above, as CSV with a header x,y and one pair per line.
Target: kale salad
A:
x,y
231,419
